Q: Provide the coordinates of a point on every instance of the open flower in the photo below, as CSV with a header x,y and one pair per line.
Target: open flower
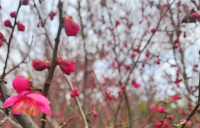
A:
x,y
31,103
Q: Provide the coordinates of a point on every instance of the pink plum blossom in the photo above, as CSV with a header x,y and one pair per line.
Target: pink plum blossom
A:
x,y
31,103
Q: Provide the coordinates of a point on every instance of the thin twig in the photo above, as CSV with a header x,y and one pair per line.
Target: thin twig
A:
x,y
43,22
127,80
23,61
100,88
182,124
65,124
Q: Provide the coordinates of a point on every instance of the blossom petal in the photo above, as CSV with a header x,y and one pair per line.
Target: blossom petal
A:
x,y
10,101
46,109
21,94
42,101
39,98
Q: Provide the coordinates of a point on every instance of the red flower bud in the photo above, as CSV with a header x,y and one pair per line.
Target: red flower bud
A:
x,y
90,70
1,42
176,41
133,56
115,65
195,16
71,28
20,84
40,65
52,15
66,66
40,1
127,66
158,62
123,88
13,14
136,85
95,114
153,30
164,102
157,124
175,97
184,35
75,91
161,110
2,37
72,95
117,23
176,46
166,124
170,117
109,95
25,2
147,54
20,26
7,23
161,120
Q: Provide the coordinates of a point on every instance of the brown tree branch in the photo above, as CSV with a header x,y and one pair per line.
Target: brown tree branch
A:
x,y
53,65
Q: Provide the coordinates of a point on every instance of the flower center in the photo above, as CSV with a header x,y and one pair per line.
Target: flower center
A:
x,y
27,105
